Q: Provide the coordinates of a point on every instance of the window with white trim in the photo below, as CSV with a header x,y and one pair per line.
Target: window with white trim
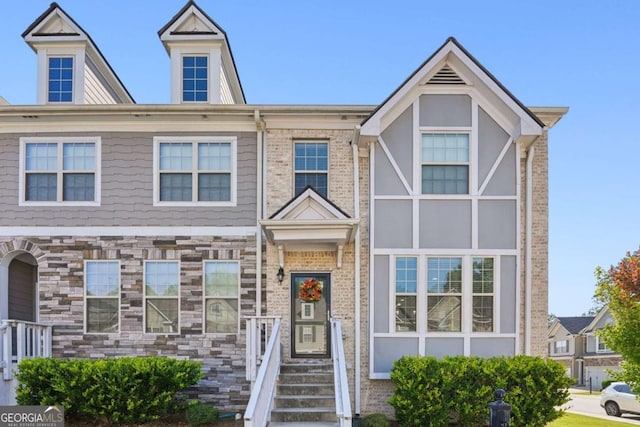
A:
x,y
195,78
601,346
221,292
444,294
102,296
161,297
60,79
406,294
483,289
311,166
445,163
195,170
561,346
59,170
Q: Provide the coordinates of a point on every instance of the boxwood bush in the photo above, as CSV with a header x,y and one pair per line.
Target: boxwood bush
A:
x,y
436,392
118,390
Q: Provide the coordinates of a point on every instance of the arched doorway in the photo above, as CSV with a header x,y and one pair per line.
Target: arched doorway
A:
x,y
18,283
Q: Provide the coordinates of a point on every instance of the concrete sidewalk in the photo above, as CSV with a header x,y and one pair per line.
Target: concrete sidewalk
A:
x,y
589,405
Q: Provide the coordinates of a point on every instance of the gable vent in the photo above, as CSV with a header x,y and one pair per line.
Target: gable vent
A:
x,y
446,76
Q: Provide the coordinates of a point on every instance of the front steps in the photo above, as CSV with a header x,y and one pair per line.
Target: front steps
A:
x,y
305,396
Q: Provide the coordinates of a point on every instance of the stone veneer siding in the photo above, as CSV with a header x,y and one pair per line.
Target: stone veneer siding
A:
x,y
61,303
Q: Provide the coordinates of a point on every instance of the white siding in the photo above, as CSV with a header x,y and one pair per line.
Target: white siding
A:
x,y
94,91
225,90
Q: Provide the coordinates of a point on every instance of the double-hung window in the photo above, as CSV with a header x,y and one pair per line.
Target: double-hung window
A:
x,y
161,297
444,294
221,288
311,166
60,79
195,80
406,293
102,296
195,170
601,346
482,304
561,346
445,163
60,170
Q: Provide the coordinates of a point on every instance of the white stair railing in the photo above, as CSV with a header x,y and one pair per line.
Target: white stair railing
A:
x,y
264,388
30,340
341,382
259,329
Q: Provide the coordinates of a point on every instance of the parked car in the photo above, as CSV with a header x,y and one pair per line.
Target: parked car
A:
x,y
618,399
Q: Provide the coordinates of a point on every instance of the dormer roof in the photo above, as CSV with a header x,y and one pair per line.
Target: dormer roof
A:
x,y
191,25
453,68
56,27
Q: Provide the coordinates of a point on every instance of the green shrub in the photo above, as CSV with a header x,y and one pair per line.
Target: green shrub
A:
x,y
432,392
375,420
201,414
122,390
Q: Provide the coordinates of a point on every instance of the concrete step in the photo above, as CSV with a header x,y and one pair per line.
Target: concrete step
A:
x,y
303,401
306,367
304,424
306,378
304,389
308,414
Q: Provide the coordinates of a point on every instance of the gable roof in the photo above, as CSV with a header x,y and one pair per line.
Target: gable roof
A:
x,y
211,30
574,325
70,28
310,194
445,74
309,221
593,325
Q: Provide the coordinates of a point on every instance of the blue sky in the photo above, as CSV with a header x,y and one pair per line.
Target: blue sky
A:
x,y
576,53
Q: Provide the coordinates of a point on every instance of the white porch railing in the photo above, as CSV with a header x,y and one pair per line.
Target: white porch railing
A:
x,y
29,340
263,390
340,380
259,329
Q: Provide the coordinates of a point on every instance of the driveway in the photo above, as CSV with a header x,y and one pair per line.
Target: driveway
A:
x,y
589,404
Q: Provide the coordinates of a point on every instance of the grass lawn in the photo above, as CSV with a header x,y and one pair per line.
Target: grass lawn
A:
x,y
575,420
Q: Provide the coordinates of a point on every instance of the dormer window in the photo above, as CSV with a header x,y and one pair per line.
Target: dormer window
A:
x,y
195,87
60,80
202,67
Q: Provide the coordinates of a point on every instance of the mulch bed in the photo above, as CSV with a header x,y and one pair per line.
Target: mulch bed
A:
x,y
175,420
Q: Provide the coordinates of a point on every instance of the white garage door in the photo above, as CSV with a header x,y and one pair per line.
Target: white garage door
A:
x,y
597,375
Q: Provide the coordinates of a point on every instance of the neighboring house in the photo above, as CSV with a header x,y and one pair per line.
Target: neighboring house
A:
x,y
599,359
574,342
127,229
566,343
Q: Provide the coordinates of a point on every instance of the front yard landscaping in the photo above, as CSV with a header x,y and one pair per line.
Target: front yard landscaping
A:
x,y
575,420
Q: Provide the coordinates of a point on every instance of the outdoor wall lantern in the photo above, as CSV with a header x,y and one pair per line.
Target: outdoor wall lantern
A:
x,y
280,275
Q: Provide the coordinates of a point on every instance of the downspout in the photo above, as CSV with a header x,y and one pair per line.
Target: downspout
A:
x,y
356,275
259,196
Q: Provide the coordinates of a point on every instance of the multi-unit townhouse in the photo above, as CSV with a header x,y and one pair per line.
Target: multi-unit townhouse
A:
x,y
575,342
130,229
